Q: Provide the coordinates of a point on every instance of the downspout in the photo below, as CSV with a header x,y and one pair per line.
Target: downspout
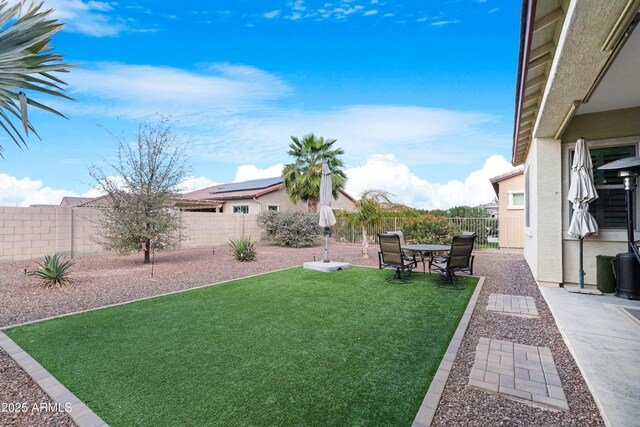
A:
x,y
260,204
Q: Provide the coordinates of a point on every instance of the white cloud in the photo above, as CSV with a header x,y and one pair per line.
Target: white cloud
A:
x,y
381,171
272,14
229,113
249,172
297,5
27,191
86,17
298,10
414,133
386,172
442,23
141,90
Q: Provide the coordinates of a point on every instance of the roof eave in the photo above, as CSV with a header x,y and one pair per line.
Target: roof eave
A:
x,y
526,33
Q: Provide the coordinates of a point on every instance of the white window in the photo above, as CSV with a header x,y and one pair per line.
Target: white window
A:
x,y
516,199
610,209
244,209
274,208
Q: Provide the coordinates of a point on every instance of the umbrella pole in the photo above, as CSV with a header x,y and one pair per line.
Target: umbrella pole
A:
x,y
581,273
326,245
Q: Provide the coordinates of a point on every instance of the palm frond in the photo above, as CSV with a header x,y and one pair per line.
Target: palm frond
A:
x,y
26,65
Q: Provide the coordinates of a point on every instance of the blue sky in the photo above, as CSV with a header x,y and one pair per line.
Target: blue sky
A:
x,y
419,94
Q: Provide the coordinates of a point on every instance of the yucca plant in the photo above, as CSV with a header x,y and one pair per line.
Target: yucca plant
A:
x,y
243,249
26,65
53,271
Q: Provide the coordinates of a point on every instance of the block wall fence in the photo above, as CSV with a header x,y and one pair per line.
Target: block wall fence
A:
x,y
33,232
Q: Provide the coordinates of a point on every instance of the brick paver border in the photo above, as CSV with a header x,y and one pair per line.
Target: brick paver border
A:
x,y
431,400
80,413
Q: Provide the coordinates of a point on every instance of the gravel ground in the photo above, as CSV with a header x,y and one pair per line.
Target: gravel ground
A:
x,y
463,405
101,281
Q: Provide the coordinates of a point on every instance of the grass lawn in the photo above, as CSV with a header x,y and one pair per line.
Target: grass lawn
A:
x,y
294,347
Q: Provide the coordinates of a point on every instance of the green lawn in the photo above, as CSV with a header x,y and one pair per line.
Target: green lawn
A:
x,y
294,347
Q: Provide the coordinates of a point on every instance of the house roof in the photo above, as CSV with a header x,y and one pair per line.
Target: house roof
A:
x,y
490,205
181,202
255,184
566,51
495,181
96,202
70,201
540,21
243,190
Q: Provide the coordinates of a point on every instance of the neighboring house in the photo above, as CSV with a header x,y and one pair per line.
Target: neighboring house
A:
x,y
70,201
259,195
509,188
491,208
578,76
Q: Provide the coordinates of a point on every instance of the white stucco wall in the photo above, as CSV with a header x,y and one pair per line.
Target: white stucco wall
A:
x,y
543,240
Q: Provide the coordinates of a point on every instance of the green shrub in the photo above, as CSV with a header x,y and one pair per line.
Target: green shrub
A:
x,y
243,249
53,270
429,229
290,228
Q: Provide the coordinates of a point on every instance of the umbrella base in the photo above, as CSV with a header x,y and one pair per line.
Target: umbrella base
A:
x,y
326,267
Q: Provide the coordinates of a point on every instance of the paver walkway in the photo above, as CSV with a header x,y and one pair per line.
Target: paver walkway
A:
x,y
512,304
518,371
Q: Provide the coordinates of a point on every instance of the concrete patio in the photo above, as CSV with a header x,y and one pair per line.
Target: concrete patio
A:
x,y
604,339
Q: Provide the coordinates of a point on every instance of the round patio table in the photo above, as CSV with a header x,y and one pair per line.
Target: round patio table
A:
x,y
426,248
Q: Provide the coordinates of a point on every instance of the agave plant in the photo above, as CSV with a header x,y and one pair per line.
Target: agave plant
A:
x,y
25,64
53,270
243,249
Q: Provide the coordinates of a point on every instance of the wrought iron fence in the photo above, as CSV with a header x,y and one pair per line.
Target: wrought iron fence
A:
x,y
487,230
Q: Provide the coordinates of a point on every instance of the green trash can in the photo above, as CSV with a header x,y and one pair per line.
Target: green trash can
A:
x,y
605,280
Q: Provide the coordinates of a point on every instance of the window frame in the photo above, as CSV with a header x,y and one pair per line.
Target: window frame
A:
x,y
512,206
241,211
277,208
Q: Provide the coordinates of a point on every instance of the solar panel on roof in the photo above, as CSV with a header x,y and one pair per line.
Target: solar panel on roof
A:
x,y
255,184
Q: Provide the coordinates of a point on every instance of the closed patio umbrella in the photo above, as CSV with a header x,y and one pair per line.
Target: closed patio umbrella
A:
x,y
582,191
327,219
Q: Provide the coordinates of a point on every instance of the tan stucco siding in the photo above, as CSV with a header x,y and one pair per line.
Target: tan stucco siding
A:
x,y
254,207
604,125
281,199
610,128
511,219
342,202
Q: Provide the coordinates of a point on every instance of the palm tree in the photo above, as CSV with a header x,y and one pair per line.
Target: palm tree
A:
x,y
369,211
302,177
26,65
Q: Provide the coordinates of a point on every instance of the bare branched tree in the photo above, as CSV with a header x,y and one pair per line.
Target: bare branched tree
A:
x,y
139,187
